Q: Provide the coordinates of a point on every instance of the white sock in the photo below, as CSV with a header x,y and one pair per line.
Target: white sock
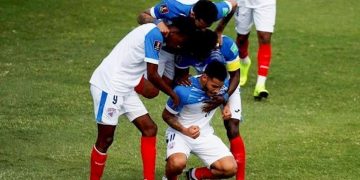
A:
x,y
261,80
245,60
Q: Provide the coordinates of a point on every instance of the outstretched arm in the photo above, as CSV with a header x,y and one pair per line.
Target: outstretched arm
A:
x,y
145,17
224,21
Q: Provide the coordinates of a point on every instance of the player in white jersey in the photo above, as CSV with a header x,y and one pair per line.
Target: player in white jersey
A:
x,y
228,55
261,13
112,89
190,130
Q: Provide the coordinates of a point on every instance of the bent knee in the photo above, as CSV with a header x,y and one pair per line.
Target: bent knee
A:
x,y
230,169
176,164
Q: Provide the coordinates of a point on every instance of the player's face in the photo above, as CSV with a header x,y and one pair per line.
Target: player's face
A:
x,y
175,42
212,86
201,24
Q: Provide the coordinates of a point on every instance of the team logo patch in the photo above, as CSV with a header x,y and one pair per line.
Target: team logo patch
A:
x,y
164,9
157,45
171,145
225,11
111,111
234,48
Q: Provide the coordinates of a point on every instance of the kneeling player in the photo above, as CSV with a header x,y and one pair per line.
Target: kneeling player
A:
x,y
190,130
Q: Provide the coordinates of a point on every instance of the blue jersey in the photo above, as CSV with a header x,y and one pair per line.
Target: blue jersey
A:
x,y
189,111
228,54
169,9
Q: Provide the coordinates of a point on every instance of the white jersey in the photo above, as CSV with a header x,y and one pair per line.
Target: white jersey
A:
x,y
189,111
255,3
123,68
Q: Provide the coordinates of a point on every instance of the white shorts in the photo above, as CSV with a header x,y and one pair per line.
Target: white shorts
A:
x,y
166,66
263,17
109,107
209,148
235,104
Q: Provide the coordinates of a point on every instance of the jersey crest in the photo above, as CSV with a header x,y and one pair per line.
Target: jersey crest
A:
x,y
164,9
157,45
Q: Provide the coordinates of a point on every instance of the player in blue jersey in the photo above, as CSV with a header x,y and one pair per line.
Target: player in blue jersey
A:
x,y
227,54
204,13
190,130
112,89
199,45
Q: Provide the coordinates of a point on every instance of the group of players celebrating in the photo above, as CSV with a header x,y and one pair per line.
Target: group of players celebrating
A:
x,y
156,56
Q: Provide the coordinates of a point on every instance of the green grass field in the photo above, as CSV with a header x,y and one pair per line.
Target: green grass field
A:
x,y
309,128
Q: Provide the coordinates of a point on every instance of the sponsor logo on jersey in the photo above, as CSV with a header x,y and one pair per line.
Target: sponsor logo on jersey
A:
x,y
164,9
157,45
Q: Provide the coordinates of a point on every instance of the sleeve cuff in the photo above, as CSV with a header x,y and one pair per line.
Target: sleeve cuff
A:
x,y
170,109
152,61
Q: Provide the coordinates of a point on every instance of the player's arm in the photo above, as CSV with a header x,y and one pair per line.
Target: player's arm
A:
x,y
148,17
155,79
152,45
231,55
234,81
169,117
145,17
225,20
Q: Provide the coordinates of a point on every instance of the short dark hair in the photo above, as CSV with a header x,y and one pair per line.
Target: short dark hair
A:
x,y
205,10
201,43
186,25
216,69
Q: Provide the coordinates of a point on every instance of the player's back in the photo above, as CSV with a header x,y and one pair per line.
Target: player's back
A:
x,y
122,69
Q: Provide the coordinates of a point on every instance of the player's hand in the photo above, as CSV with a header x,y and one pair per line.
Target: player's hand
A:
x,y
193,131
184,81
226,113
163,28
213,103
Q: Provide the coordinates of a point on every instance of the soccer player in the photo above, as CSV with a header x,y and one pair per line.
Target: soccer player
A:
x,y
204,13
199,45
227,54
190,130
262,13
112,89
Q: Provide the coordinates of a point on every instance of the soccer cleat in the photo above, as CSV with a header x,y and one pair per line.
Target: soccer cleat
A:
x,y
244,70
260,92
189,174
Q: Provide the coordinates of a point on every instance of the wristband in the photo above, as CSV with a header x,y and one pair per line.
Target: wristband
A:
x,y
157,21
226,97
